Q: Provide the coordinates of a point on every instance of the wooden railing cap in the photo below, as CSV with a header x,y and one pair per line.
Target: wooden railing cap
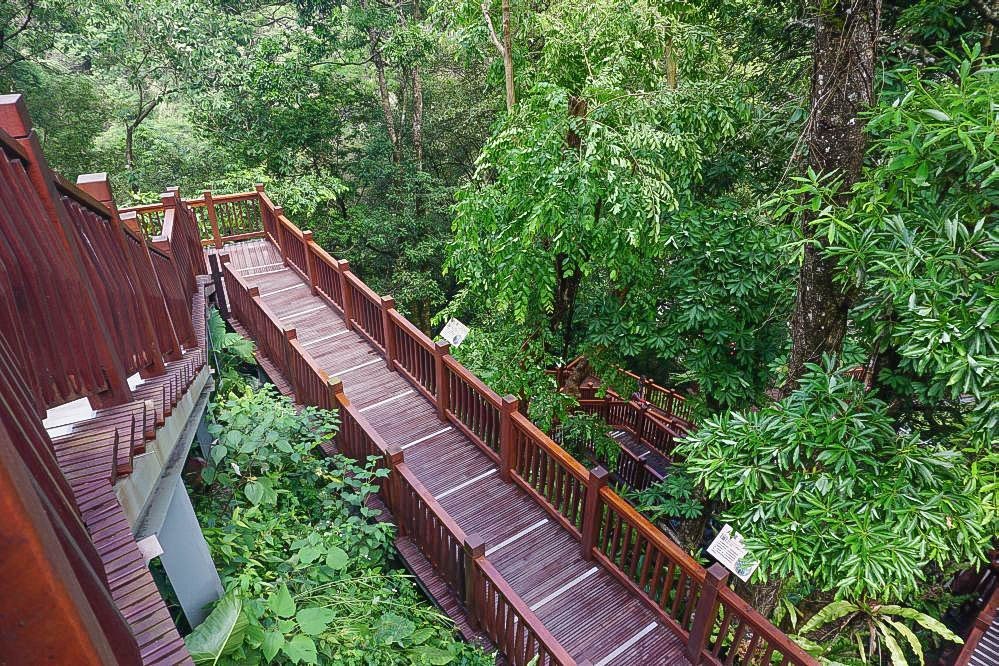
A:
x,y
475,545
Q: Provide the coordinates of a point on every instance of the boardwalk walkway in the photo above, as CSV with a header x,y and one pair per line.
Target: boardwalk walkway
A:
x,y
587,609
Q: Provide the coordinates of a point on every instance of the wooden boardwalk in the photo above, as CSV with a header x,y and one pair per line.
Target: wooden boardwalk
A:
x,y
588,610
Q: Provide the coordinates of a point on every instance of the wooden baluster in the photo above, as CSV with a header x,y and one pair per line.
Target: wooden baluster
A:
x,y
508,452
343,267
310,261
640,420
596,480
474,548
279,225
707,609
289,368
394,487
259,189
388,303
441,349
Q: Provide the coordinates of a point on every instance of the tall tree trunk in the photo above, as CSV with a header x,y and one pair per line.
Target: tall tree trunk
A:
x,y
130,151
417,101
511,98
418,117
383,95
844,57
843,61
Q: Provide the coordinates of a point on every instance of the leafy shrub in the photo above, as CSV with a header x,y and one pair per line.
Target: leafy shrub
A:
x,y
305,565
230,352
673,497
585,436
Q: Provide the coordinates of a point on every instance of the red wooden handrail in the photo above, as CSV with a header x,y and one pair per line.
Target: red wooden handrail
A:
x,y
981,625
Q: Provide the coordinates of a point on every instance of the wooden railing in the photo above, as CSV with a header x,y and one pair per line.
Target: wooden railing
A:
x,y
983,621
487,596
218,218
609,530
636,418
672,405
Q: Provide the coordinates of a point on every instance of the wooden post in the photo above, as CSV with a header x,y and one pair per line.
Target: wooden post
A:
x,y
591,518
640,420
474,548
98,186
704,615
441,349
212,219
278,212
508,450
216,269
310,261
343,267
394,486
388,303
259,189
290,334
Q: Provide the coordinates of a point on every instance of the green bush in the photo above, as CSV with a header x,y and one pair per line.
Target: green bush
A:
x,y
307,570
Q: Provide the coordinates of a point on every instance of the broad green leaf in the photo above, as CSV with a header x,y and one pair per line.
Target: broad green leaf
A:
x,y
833,611
273,641
314,621
433,655
910,637
337,558
254,492
220,633
924,620
894,649
301,649
281,602
392,628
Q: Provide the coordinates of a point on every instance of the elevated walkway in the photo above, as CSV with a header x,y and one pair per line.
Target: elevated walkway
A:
x,y
538,553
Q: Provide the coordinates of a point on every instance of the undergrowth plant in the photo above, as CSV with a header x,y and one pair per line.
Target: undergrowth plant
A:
x,y
308,571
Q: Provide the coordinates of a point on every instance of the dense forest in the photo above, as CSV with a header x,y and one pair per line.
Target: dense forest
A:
x,y
785,210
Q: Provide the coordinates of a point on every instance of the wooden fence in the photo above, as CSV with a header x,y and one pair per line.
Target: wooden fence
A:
x,y
716,625
82,306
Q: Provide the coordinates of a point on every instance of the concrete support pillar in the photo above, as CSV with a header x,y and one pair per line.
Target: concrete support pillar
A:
x,y
186,559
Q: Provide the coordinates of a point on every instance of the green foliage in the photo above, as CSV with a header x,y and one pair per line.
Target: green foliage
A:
x,y
298,545
582,433
675,497
230,352
220,633
870,631
825,490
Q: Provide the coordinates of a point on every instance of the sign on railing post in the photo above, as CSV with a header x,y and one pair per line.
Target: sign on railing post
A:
x,y
310,261
474,548
212,218
388,303
441,349
596,480
508,451
343,267
704,615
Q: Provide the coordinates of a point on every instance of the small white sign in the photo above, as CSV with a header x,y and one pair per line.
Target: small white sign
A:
x,y
454,332
728,549
150,548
